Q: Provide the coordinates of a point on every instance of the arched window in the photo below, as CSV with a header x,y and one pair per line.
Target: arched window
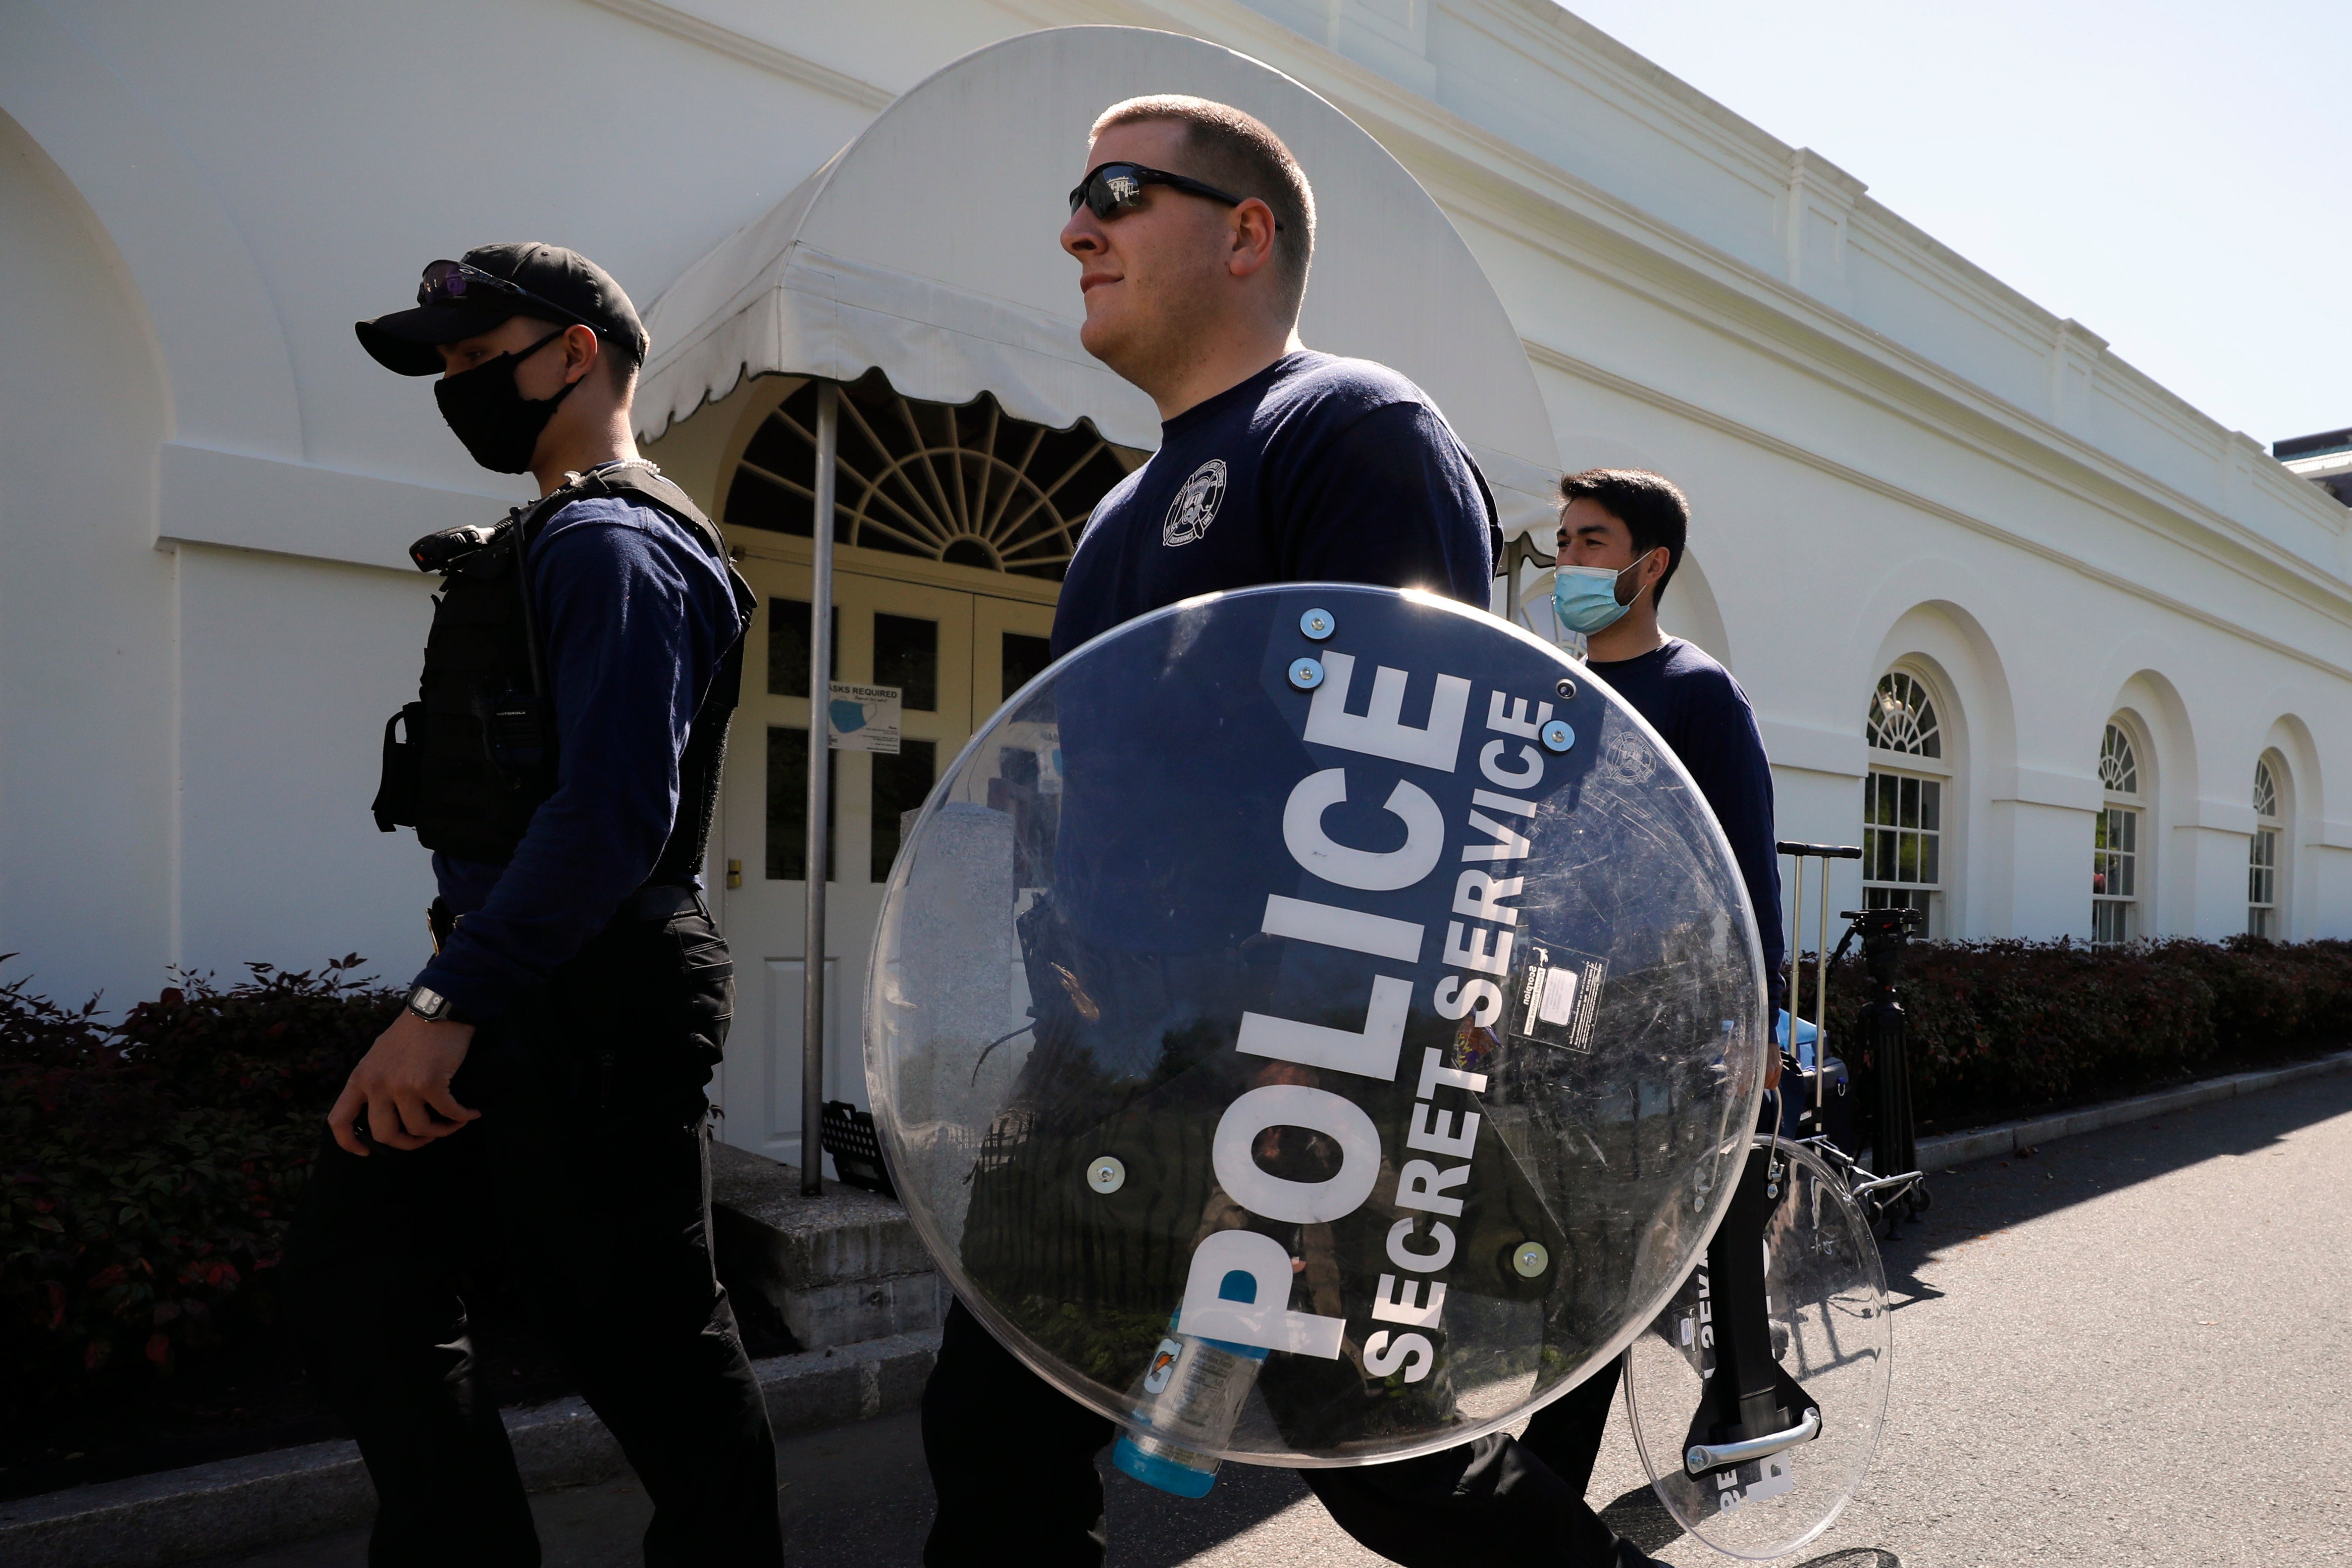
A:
x,y
1902,824
2115,850
968,485
2263,855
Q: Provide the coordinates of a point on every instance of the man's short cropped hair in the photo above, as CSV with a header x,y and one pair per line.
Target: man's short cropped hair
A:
x,y
627,355
619,357
1237,153
1652,511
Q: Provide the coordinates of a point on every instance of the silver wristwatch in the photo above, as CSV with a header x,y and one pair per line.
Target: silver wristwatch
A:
x,y
431,1005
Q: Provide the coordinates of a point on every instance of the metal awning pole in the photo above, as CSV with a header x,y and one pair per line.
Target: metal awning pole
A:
x,y
820,806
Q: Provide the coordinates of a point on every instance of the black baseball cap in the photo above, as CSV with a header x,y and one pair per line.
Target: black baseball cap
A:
x,y
491,283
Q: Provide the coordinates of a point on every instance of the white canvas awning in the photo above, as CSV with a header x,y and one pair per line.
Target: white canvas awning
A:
x,y
928,248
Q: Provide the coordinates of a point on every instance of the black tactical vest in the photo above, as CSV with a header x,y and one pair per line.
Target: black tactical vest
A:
x,y
468,761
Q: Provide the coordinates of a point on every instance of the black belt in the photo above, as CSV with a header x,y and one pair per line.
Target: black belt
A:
x,y
644,906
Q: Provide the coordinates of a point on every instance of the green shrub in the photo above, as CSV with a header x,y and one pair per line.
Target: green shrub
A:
x,y
151,1167
1998,1029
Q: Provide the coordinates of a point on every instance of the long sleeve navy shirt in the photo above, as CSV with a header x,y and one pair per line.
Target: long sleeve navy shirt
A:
x,y
1317,468
634,616
1698,708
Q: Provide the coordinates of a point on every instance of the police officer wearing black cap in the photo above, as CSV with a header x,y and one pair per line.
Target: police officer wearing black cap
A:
x,y
538,1106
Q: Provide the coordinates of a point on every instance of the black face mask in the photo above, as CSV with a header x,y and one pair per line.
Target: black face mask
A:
x,y
498,424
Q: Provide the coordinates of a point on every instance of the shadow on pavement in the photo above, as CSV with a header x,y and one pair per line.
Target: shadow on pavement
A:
x,y
1856,1557
1978,1200
1642,1519
1149,1529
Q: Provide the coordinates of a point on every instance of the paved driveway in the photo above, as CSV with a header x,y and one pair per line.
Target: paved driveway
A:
x,y
2131,1350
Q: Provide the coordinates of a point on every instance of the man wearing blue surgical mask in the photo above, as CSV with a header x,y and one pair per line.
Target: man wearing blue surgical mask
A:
x,y
1622,533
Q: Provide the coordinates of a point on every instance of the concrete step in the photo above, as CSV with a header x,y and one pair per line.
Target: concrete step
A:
x,y
840,1268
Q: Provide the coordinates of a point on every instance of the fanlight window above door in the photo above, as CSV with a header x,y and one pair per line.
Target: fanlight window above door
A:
x,y
967,485
2118,762
1902,716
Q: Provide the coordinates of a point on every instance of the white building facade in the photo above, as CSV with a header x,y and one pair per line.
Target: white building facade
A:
x,y
2065,655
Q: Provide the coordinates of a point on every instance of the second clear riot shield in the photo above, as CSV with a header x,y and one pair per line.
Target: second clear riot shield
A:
x,y
1315,1026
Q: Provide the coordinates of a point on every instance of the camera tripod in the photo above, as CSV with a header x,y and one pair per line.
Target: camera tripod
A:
x,y
1879,1045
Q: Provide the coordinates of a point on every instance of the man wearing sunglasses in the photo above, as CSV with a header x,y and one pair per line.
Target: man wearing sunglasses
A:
x,y
1194,230
536,1110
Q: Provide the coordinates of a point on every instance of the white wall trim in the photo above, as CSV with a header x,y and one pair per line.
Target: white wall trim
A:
x,y
795,69
1554,359
1814,749
212,497
2234,817
2037,786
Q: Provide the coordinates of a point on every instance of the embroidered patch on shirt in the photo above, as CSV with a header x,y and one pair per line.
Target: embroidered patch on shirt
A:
x,y
1195,506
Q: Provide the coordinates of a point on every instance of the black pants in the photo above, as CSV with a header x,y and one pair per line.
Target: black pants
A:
x,y
1496,1500
586,1181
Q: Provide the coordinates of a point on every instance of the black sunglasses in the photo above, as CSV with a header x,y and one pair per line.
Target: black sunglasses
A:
x,y
1110,189
456,283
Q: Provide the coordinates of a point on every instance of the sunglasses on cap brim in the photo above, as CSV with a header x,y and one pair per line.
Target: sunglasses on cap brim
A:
x,y
456,283
1111,189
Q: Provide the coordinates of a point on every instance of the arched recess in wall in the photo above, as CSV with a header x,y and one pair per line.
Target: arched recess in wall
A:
x,y
229,367
2123,836
1948,659
1946,606
2270,869
1690,611
2149,708
87,759
2302,812
1910,825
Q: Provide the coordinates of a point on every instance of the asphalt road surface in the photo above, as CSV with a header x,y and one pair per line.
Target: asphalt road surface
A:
x,y
2132,1349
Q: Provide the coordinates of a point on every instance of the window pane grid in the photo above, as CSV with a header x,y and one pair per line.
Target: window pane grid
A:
x,y
2115,875
2261,882
1901,842
787,844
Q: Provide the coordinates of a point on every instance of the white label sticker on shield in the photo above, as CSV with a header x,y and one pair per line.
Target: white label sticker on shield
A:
x,y
1558,1004
1557,994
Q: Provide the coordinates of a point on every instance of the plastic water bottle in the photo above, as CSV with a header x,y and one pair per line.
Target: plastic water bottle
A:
x,y
1188,1400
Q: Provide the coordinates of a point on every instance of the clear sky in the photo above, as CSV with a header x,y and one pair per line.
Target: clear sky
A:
x,y
2175,175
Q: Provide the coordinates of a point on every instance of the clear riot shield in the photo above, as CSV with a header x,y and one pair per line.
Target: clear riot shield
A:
x,y
1313,1025
1824,1352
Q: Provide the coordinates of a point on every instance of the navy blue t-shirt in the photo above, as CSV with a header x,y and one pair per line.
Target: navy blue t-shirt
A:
x,y
634,614
1317,468
1703,714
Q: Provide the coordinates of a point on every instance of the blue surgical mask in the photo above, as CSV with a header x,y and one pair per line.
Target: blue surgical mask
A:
x,y
1584,598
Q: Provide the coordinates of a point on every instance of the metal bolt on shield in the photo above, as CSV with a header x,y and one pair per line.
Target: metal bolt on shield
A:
x,y
1317,624
1306,674
1557,736
1106,1175
1530,1260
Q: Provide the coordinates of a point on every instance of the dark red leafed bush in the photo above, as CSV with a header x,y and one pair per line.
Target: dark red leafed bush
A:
x,y
149,1169
1999,1028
